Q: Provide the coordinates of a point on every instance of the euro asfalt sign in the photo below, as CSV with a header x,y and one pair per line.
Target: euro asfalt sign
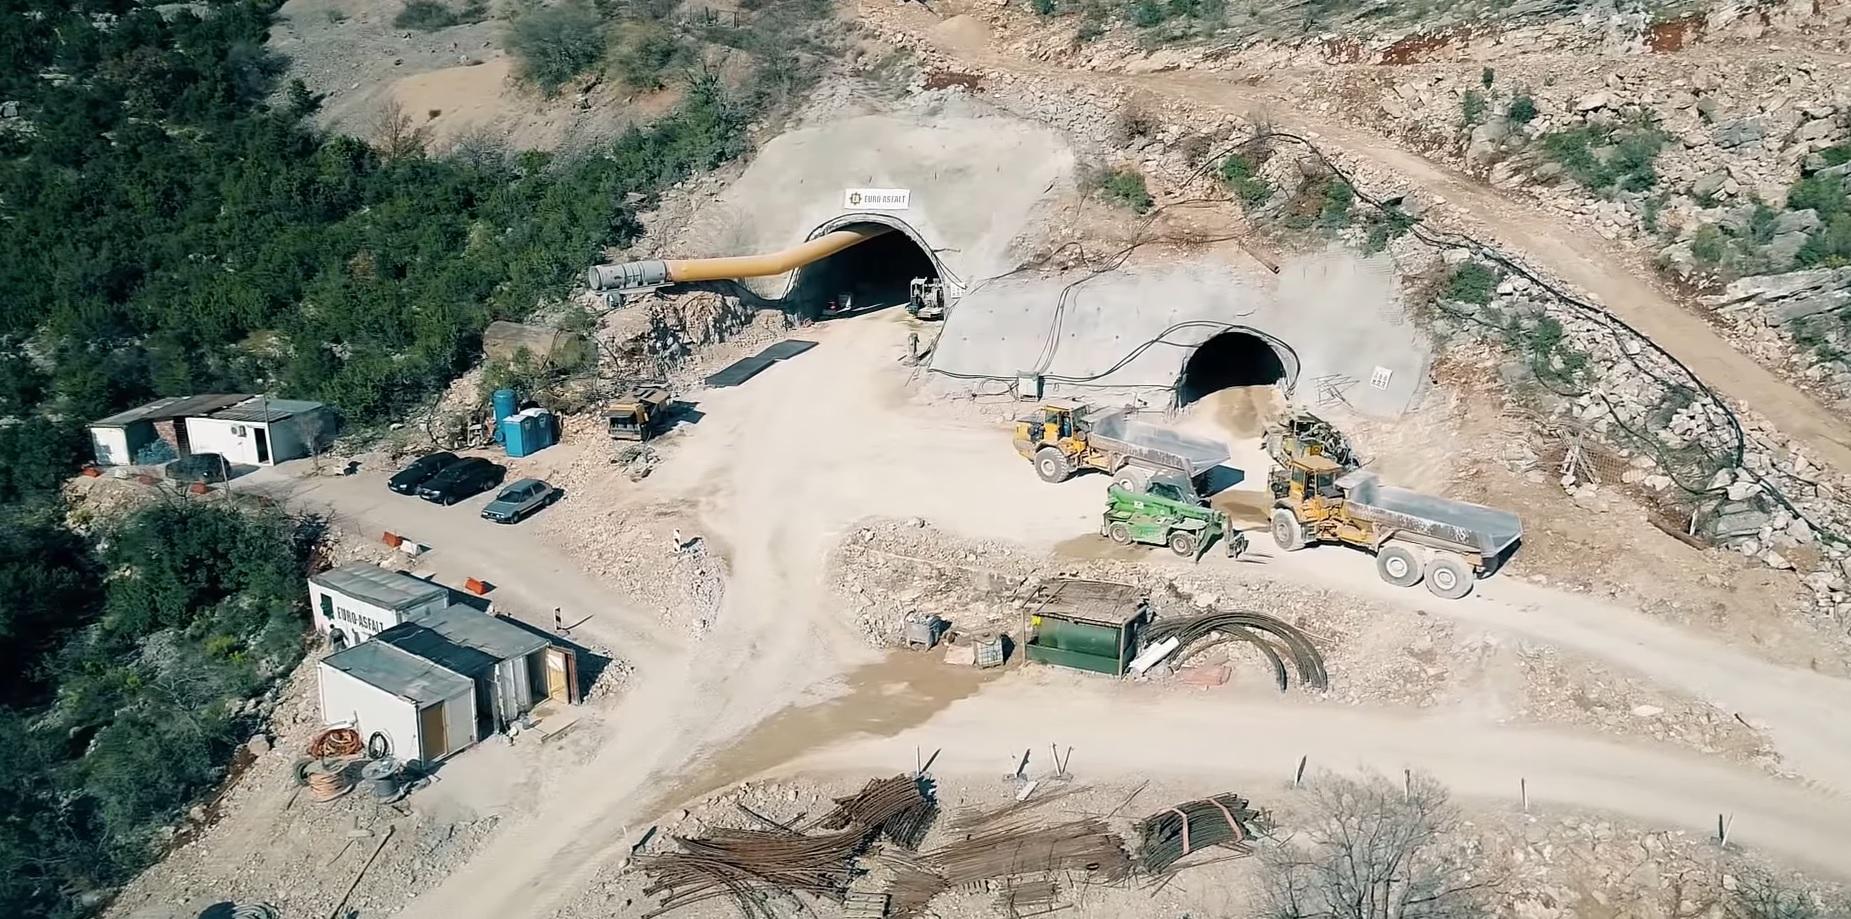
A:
x,y
877,199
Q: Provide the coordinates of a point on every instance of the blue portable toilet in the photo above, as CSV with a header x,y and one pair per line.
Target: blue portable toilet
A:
x,y
527,432
505,402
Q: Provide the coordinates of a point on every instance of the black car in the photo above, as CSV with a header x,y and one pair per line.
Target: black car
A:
x,y
422,470
461,479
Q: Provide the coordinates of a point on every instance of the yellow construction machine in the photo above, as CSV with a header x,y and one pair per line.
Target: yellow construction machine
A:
x,y
1062,438
1414,536
639,414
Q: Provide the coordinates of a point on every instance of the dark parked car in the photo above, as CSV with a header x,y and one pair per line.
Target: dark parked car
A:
x,y
422,470
519,500
462,479
200,467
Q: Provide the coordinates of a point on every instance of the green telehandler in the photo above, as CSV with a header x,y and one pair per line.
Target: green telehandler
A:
x,y
1156,519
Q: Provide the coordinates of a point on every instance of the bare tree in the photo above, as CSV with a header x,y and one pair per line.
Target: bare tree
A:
x,y
1375,849
1760,894
396,133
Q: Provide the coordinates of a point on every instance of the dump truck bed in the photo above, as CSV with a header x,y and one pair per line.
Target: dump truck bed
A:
x,y
1160,446
1488,530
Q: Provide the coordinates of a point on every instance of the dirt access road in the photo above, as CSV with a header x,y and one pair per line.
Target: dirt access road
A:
x,y
1551,242
782,467
1216,741
531,578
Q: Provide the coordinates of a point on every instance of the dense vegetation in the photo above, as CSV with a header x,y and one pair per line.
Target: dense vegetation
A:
x,y
173,224
168,232
125,691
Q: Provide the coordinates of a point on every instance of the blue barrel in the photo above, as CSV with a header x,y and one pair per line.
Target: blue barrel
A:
x,y
505,402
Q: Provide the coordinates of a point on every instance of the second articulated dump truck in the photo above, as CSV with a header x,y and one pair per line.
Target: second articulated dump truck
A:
x,y
1415,537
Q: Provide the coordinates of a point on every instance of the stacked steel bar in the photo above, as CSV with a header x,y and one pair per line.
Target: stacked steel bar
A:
x,y
751,865
902,807
1224,820
1003,845
1241,625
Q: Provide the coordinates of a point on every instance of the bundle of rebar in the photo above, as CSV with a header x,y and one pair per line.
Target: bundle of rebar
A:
x,y
752,866
1225,820
1032,897
1004,845
747,865
1241,625
901,806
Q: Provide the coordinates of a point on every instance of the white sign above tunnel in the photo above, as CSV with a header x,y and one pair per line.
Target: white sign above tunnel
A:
x,y
877,199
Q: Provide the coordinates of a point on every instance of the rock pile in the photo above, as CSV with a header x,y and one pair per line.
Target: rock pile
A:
x,y
1786,298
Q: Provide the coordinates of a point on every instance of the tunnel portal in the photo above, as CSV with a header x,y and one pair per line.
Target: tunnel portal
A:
x,y
862,278
1227,360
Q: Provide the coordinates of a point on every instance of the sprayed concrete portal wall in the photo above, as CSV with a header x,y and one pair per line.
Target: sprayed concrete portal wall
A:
x,y
1338,313
977,180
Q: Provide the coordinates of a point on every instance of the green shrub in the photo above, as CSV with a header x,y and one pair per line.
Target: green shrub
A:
x,y
1385,226
1338,198
1474,106
1147,13
651,53
1240,173
1761,224
1522,109
1092,22
1708,244
1836,155
1825,194
1125,186
430,15
1606,158
1044,7
1830,247
1487,77
1471,282
551,45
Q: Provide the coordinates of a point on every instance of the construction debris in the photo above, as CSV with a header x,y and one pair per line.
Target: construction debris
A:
x,y
898,806
1241,625
1002,845
1167,836
750,866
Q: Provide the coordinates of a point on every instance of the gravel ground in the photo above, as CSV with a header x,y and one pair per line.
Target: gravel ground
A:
x,y
1376,654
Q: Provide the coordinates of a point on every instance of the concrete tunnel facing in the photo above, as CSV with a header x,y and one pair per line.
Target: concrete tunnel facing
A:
x,y
868,276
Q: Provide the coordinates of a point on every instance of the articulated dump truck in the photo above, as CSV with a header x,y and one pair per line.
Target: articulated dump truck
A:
x,y
1414,536
1062,438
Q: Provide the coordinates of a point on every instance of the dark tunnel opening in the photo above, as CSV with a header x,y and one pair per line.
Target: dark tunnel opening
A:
x,y
1225,361
862,278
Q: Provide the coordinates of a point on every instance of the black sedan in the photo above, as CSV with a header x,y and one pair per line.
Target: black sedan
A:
x,y
423,469
462,479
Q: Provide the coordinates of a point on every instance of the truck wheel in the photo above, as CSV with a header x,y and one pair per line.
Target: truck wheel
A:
x,y
1051,465
1398,566
1119,533
1132,480
1286,531
1182,544
1448,578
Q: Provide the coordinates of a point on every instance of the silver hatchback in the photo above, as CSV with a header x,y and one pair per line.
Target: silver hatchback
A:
x,y
520,499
